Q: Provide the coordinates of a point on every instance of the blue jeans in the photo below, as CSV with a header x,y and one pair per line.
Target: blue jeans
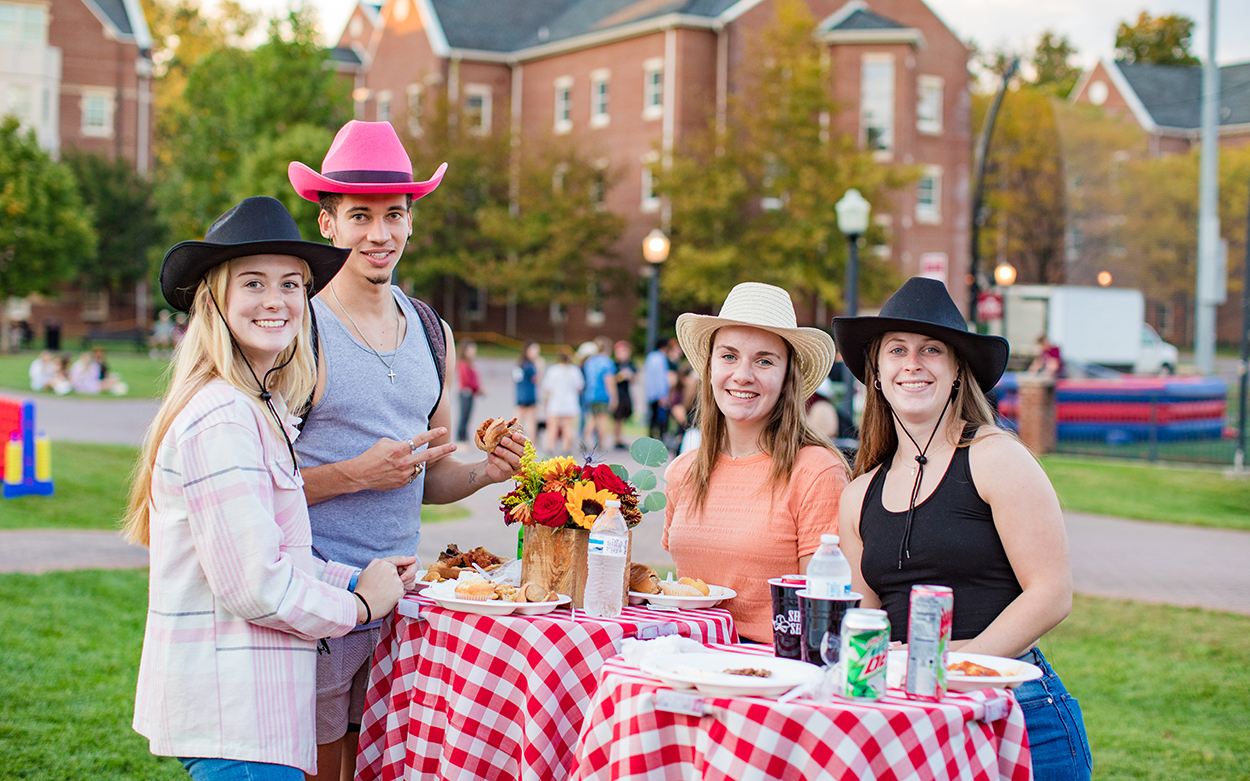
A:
x,y
1056,729
202,769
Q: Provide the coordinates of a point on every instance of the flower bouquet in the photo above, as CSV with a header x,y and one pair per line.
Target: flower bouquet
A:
x,y
557,501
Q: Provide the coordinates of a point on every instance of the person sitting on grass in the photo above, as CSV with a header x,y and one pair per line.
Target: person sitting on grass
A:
x,y
237,601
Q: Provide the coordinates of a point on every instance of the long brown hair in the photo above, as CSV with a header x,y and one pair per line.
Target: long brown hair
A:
x,y
205,354
878,438
785,433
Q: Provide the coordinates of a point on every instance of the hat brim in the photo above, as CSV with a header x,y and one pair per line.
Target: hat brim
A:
x,y
986,355
813,348
308,183
187,262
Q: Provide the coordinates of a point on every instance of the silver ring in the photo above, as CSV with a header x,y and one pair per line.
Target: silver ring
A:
x,y
412,446
420,468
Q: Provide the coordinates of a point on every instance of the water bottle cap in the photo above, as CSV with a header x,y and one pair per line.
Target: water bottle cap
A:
x,y
829,539
612,503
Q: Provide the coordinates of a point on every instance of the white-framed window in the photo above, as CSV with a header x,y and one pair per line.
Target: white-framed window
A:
x,y
929,104
876,103
477,100
97,113
384,105
653,88
23,23
557,177
564,104
650,201
929,196
600,81
886,223
95,305
19,101
599,184
413,94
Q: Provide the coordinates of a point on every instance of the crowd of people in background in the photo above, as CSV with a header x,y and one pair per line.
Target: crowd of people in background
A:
x,y
89,374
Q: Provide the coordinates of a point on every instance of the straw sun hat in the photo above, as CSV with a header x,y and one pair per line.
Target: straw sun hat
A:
x,y
767,307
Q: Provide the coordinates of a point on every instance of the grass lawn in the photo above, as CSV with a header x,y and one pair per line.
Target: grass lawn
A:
x,y
144,375
1150,493
92,484
1165,691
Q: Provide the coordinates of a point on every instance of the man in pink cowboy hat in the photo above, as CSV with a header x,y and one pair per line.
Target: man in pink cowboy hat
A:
x,y
375,442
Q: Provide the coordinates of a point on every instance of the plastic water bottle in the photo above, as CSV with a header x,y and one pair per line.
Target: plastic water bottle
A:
x,y
605,563
828,573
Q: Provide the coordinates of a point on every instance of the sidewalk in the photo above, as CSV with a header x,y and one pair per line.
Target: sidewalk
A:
x,y
1111,557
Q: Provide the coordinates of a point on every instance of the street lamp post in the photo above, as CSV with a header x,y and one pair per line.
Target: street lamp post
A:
x,y
853,211
655,250
1005,276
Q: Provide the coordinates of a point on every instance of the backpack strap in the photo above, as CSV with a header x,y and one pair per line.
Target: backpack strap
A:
x,y
435,339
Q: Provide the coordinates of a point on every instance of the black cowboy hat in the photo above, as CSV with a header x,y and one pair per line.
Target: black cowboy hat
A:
x,y
255,226
922,306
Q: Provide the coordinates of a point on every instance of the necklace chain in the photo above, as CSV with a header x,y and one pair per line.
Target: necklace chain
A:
x,y
390,371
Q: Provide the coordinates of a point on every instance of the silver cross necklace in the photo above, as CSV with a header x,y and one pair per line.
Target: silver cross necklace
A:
x,y
390,370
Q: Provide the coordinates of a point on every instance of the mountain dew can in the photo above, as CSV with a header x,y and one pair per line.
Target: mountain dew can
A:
x,y
865,646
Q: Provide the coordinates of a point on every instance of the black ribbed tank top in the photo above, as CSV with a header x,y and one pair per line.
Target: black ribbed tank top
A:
x,y
953,543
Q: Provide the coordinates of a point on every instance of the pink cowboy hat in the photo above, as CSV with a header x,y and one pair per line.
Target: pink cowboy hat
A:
x,y
366,157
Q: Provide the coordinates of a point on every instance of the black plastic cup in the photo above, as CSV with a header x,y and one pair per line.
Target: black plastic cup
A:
x,y
787,623
822,618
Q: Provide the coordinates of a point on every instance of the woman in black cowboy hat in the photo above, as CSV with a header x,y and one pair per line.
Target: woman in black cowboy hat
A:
x,y
237,600
942,495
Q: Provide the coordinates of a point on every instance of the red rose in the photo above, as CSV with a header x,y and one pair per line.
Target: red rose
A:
x,y
549,509
605,479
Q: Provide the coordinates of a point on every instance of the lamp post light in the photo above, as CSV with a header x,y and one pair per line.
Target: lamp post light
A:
x,y
853,211
1005,276
655,250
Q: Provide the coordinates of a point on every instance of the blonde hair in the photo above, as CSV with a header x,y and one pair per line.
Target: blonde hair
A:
x,y
205,354
878,438
785,433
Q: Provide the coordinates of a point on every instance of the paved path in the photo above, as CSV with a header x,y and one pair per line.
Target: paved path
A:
x,y
1111,557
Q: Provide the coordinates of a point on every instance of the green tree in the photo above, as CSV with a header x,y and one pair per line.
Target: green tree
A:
x,y
1024,186
1157,40
45,231
235,99
1053,71
754,200
130,233
263,171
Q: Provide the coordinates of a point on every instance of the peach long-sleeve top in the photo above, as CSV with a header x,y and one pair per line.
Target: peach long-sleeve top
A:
x,y
744,536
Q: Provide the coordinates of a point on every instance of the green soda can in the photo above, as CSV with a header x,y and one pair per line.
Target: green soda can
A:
x,y
865,647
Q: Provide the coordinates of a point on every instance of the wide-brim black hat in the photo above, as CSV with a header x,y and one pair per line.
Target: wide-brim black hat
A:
x,y
922,306
254,226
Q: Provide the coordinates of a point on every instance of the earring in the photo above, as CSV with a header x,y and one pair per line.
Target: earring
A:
x,y
957,384
876,384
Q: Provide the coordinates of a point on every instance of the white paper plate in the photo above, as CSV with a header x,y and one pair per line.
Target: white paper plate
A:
x,y
716,595
540,608
1014,672
490,607
705,672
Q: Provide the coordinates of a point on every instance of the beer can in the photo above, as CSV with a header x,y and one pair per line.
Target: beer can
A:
x,y
865,648
928,639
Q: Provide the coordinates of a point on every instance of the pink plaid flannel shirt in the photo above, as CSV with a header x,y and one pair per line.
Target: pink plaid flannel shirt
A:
x,y
236,600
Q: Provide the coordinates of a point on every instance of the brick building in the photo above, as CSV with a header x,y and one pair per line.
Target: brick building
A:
x,y
78,73
629,77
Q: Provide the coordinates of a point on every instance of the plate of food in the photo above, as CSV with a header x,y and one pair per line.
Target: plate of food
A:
x,y
471,593
548,604
452,561
969,672
681,593
724,674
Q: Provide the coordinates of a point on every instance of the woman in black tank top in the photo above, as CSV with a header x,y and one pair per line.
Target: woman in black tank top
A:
x,y
943,496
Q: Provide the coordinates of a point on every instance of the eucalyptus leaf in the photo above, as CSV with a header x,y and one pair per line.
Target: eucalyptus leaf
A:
x,y
649,452
619,471
644,480
654,502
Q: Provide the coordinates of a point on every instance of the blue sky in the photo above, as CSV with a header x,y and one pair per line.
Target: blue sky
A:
x,y
1089,24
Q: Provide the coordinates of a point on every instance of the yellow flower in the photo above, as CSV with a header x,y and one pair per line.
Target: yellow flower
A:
x,y
560,469
584,503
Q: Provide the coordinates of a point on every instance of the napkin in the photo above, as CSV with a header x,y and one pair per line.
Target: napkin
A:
x,y
635,652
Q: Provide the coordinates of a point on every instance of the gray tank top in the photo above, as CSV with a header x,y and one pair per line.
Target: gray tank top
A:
x,y
359,406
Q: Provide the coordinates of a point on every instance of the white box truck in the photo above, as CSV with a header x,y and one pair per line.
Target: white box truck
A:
x,y
1091,325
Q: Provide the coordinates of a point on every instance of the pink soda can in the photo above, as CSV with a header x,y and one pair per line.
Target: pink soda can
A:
x,y
928,640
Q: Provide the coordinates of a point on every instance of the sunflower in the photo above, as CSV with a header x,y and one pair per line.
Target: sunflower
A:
x,y
585,503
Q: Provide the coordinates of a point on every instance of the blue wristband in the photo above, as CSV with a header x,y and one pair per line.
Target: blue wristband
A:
x,y
351,584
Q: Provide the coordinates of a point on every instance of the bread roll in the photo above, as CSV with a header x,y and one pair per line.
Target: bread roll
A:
x,y
643,579
672,589
696,583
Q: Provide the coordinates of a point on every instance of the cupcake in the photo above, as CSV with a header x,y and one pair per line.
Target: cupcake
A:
x,y
475,589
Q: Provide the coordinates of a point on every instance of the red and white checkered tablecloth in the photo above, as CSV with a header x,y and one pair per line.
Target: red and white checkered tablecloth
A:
x,y
457,696
979,735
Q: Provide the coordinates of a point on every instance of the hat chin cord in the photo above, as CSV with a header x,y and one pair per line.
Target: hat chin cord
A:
x,y
904,547
265,395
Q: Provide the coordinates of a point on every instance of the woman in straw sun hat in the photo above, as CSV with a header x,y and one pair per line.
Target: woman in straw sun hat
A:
x,y
942,495
219,500
752,501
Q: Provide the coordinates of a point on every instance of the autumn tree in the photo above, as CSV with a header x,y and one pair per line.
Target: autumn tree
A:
x,y
263,171
754,199
45,231
1052,67
1156,40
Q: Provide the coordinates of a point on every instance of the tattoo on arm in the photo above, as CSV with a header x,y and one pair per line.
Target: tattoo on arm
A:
x,y
472,477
